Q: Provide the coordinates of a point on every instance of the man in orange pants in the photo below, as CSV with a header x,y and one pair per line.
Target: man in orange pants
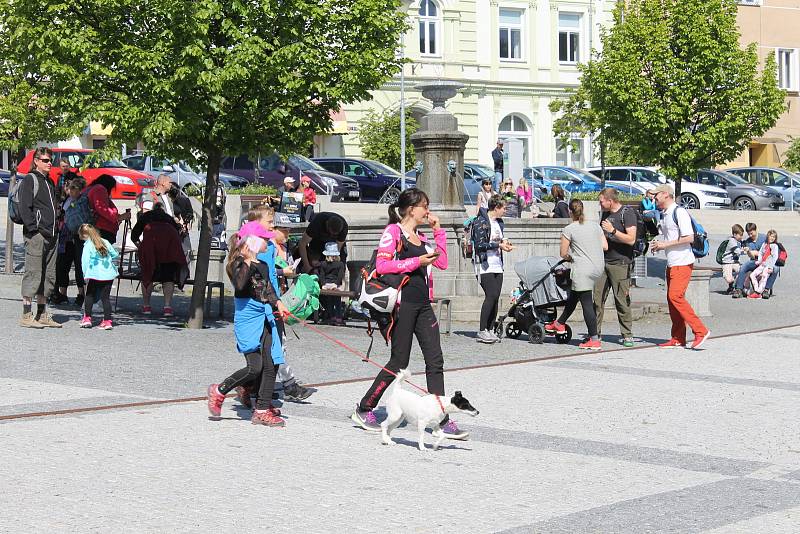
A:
x,y
675,237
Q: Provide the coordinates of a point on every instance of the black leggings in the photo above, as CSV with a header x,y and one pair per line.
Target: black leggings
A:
x,y
492,284
417,319
587,304
260,371
101,289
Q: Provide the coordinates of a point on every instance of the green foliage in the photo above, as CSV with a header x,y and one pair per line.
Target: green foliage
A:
x,y
674,87
254,189
379,137
792,155
197,80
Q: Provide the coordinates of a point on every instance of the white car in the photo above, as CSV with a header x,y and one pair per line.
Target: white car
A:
x,y
640,179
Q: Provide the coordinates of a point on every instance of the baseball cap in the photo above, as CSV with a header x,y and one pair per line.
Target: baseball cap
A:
x,y
664,188
305,179
288,180
500,141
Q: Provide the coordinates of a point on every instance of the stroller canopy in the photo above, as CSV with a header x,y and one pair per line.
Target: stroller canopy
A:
x,y
539,269
534,269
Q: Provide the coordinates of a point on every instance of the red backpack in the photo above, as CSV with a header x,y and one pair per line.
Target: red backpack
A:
x,y
782,256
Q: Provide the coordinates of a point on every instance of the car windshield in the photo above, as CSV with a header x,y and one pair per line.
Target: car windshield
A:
x,y
304,164
585,176
483,172
380,167
109,164
733,179
182,165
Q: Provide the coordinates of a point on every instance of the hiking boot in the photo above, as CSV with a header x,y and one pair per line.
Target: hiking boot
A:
x,y
555,328
699,340
766,294
671,344
590,344
365,420
46,320
484,336
266,418
86,322
296,393
627,341
243,396
106,325
451,431
28,321
79,301
215,400
737,293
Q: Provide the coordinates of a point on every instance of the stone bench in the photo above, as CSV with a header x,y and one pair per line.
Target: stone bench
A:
x,y
699,290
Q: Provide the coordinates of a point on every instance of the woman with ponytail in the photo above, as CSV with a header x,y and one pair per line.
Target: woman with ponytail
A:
x,y
403,249
582,244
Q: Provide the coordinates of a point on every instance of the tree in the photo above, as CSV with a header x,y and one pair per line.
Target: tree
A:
x,y
792,155
379,137
674,86
198,80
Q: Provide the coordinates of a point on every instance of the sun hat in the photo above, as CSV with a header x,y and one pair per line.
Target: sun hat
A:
x,y
331,249
305,179
254,228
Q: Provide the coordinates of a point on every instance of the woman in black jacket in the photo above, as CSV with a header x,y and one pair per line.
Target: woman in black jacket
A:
x,y
561,209
490,244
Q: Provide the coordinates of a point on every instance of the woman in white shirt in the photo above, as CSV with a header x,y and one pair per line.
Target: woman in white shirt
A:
x,y
490,244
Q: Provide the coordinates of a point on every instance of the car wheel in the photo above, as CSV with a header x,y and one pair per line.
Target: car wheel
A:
x,y
689,201
744,204
390,196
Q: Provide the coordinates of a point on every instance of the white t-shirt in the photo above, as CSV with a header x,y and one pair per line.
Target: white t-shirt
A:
x,y
680,254
495,263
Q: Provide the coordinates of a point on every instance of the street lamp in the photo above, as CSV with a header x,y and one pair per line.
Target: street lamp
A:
x,y
402,115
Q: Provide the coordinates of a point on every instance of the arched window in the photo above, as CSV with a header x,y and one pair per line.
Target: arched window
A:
x,y
514,125
429,28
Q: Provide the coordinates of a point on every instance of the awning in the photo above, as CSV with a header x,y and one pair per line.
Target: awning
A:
x,y
96,128
339,123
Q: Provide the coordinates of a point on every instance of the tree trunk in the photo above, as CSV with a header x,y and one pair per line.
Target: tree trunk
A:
x,y
16,157
678,188
197,307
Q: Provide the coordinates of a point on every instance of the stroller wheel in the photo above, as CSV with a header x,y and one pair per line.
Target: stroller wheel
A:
x,y
513,331
565,337
536,333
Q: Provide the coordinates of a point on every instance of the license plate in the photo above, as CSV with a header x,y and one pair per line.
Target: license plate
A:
x,y
727,201
354,193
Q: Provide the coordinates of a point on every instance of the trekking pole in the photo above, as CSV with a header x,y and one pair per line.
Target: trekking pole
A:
x,y
125,228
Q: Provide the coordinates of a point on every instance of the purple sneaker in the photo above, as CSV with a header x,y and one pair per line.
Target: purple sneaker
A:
x,y
451,431
366,420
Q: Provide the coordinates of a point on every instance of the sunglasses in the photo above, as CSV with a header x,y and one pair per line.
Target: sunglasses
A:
x,y
45,160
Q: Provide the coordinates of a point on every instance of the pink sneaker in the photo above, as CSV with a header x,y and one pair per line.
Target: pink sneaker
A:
x,y
555,328
754,295
590,344
168,311
106,325
86,322
147,310
215,400
266,418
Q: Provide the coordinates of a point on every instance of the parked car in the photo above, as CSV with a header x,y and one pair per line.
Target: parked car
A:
x,y
779,180
377,181
5,182
179,172
693,195
271,170
744,196
231,181
571,179
130,183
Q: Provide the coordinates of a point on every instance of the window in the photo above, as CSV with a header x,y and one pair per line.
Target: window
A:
x,y
354,169
570,154
428,28
569,37
243,163
135,162
510,34
332,166
515,126
787,68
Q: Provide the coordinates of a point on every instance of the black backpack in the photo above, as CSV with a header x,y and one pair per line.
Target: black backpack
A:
x,y
642,243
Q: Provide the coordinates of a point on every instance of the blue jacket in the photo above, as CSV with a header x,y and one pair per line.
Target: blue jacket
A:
x,y
754,246
97,267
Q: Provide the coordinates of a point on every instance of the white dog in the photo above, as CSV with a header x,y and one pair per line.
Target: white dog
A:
x,y
426,411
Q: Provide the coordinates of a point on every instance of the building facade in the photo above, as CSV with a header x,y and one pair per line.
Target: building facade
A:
x,y
513,56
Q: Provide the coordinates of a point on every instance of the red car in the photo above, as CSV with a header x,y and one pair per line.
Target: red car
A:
x,y
130,183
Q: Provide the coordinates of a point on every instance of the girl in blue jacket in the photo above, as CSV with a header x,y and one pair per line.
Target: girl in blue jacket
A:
x,y
99,271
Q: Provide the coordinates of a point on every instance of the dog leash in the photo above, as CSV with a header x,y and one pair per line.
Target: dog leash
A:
x,y
361,355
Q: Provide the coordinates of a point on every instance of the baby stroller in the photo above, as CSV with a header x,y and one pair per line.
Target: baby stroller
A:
x,y
544,284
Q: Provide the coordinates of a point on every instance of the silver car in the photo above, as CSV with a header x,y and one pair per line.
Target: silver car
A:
x,y
779,180
179,172
744,196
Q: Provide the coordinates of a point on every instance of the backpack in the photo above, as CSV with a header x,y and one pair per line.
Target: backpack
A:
x,y
782,256
78,213
642,244
721,249
302,299
13,198
468,240
700,246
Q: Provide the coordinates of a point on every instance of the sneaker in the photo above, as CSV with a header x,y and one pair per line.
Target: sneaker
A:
x,y
86,322
168,312
627,342
672,344
215,400
451,431
729,291
737,293
296,393
590,344
766,294
243,396
106,325
555,328
78,302
484,336
754,295
47,321
28,321
147,310
266,418
699,340
365,420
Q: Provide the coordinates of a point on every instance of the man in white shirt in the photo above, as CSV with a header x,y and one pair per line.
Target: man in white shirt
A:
x,y
676,234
